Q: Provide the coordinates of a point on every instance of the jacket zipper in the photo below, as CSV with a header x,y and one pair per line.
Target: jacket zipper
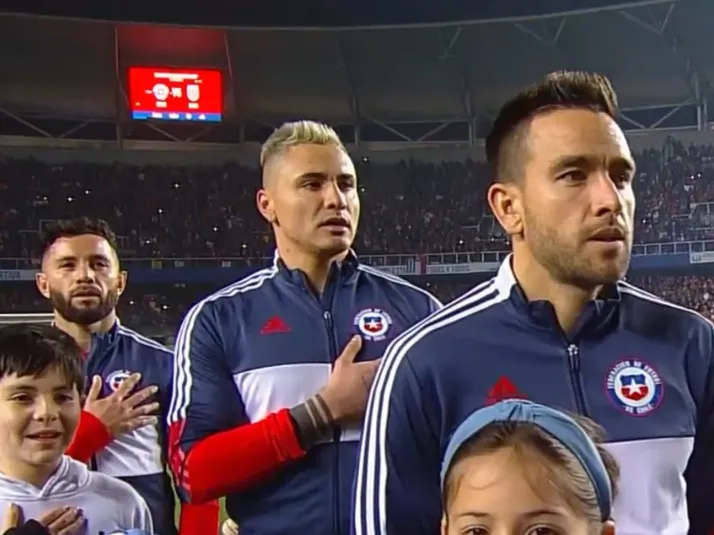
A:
x,y
91,355
576,378
329,325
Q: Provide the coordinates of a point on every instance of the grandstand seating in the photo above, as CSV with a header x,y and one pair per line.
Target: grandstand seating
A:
x,y
408,207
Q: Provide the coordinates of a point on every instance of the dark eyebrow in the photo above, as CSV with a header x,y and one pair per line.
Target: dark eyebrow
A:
x,y
65,258
580,161
22,388
565,162
30,388
315,175
72,258
529,514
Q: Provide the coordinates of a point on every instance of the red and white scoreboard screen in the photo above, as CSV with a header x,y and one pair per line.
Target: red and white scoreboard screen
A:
x,y
176,94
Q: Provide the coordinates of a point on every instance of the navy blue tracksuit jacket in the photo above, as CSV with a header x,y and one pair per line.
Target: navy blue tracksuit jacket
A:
x,y
137,457
269,342
636,364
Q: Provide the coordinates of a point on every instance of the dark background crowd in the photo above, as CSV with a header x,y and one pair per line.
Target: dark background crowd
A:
x,y
409,207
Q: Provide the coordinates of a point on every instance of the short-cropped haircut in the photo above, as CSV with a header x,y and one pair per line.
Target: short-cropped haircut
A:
x,y
298,133
506,146
79,226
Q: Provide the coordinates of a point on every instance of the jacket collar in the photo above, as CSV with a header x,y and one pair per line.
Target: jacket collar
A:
x,y
111,333
344,271
597,315
102,342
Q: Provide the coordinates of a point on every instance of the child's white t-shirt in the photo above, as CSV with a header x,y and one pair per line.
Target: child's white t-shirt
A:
x,y
108,504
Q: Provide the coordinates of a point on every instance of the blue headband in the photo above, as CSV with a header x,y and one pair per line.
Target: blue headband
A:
x,y
558,425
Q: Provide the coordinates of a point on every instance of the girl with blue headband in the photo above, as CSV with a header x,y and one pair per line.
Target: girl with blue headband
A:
x,y
519,468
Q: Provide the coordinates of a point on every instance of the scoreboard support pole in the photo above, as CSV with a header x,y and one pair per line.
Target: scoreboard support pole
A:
x,y
230,92
352,90
121,98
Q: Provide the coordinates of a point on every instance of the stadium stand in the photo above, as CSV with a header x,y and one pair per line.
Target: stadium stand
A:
x,y
411,208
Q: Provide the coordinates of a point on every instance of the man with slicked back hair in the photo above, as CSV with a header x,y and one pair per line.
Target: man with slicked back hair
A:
x,y
556,325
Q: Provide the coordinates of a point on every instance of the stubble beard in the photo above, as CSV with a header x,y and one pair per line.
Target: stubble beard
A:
x,y
84,316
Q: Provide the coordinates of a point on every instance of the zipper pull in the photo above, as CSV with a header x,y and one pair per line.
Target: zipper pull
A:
x,y
573,357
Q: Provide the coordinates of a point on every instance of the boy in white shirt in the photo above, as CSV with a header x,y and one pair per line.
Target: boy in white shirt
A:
x,y
41,378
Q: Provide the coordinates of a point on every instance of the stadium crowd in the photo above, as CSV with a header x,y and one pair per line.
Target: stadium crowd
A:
x,y
408,207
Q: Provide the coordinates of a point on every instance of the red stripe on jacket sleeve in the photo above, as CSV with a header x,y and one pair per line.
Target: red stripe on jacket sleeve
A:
x,y
199,519
234,460
91,437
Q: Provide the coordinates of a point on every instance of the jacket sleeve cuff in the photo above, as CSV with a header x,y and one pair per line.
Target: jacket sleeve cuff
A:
x,y
265,446
91,437
199,519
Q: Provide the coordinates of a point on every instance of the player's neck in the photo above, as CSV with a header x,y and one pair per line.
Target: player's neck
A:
x,y
538,285
35,475
315,268
82,334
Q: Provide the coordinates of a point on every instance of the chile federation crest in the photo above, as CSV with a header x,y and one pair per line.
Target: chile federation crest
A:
x,y
116,378
373,324
635,387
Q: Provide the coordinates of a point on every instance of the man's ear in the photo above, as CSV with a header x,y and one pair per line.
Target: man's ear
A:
x,y
505,200
42,284
121,282
265,205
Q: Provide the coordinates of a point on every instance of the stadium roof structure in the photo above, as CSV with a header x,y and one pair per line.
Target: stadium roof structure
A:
x,y
405,84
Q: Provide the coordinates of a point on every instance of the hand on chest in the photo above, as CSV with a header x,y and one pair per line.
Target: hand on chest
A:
x,y
115,369
114,378
289,358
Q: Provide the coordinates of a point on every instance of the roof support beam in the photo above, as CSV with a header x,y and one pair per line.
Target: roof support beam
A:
x,y
653,25
391,129
432,132
167,135
28,124
703,115
665,113
666,116
451,54
351,88
198,135
231,90
636,124
447,52
76,128
693,76
544,34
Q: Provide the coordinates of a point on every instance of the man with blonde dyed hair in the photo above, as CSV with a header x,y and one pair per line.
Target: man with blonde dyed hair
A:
x,y
309,196
298,133
273,372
